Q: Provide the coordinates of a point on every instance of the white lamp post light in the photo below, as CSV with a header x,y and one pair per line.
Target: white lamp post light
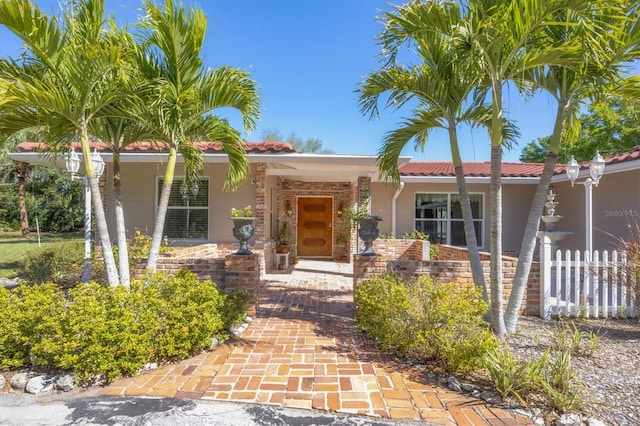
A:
x,y
596,170
72,164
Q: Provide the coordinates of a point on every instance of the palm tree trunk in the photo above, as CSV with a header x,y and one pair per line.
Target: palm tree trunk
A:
x,y
495,269
158,229
22,170
103,232
123,251
98,211
467,216
527,248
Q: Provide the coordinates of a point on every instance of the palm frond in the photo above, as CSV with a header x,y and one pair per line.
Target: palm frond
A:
x,y
416,128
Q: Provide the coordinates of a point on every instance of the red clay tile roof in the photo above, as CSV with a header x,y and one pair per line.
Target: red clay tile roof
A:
x,y
472,169
205,147
483,169
634,154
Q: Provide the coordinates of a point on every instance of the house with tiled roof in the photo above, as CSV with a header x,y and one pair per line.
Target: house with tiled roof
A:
x,y
428,200
310,193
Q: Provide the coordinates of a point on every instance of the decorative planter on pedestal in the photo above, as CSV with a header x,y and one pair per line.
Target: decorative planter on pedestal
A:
x,y
243,231
368,232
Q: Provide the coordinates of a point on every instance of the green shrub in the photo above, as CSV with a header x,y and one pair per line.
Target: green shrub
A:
x,y
111,331
234,309
415,235
384,311
13,349
61,264
426,321
138,248
105,332
188,314
37,320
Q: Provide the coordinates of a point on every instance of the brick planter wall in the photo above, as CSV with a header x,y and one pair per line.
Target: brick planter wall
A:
x,y
243,273
399,257
216,262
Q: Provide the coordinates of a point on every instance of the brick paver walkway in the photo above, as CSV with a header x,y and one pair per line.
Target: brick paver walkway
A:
x,y
303,350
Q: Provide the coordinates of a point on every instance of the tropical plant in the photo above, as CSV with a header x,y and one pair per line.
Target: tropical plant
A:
x,y
118,133
502,39
183,93
491,44
50,199
607,37
68,76
19,170
442,86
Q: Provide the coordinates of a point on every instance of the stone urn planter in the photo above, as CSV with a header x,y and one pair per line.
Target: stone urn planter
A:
x,y
368,232
243,231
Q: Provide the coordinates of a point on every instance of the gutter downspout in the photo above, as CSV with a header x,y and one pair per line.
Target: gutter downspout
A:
x,y
394,209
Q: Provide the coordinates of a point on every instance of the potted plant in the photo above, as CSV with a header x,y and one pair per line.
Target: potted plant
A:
x,y
366,224
368,232
243,227
283,237
247,212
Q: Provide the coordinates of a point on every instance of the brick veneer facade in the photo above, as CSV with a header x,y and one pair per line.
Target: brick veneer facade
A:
x,y
401,258
260,212
288,192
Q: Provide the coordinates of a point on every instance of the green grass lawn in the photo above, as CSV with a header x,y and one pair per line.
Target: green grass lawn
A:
x,y
14,249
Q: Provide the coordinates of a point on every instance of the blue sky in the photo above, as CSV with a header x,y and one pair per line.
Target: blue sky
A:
x,y
308,57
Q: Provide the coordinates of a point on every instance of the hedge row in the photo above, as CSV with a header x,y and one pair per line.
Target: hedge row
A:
x,y
105,332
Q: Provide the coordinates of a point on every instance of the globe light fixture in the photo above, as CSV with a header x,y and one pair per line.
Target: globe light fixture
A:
x,y
72,163
97,163
596,170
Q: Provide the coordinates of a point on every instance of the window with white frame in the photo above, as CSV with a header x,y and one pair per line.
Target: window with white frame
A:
x,y
188,210
440,216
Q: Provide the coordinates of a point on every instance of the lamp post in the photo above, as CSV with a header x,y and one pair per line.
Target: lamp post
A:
x,y
72,164
596,170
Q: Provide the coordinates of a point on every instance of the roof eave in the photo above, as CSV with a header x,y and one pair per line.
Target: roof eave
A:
x,y
469,179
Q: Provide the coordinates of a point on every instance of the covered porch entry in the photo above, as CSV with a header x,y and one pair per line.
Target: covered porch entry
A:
x,y
308,196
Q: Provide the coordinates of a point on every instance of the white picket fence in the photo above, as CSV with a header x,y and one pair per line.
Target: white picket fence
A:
x,y
588,285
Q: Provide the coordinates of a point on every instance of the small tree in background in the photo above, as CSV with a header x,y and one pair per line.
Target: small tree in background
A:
x,y
311,145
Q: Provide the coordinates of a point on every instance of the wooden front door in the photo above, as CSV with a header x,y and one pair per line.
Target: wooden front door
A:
x,y
314,226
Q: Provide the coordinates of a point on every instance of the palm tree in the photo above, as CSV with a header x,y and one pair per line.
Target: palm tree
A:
x,y
20,170
67,78
119,132
502,39
183,95
442,88
608,33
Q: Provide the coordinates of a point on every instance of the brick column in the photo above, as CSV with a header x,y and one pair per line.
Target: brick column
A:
x,y
366,267
243,273
260,210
